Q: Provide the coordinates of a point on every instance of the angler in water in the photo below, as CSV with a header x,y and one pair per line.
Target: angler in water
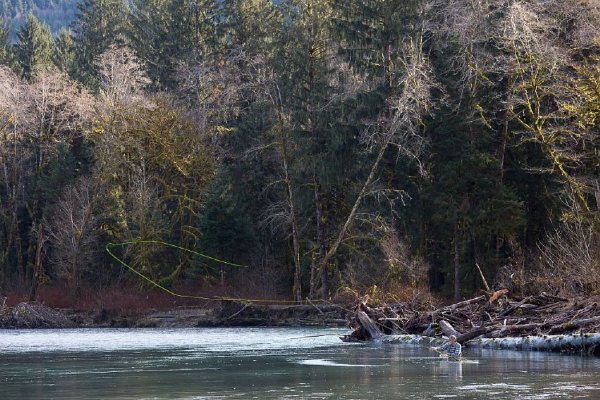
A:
x,y
451,348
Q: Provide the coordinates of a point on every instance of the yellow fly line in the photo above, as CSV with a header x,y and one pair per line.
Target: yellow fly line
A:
x,y
110,246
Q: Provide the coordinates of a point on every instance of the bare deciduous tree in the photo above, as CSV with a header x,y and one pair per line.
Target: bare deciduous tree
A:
x,y
73,233
122,77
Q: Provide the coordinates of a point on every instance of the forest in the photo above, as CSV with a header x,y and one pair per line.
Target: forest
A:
x,y
327,148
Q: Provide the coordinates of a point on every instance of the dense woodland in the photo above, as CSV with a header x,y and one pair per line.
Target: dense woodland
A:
x,y
330,146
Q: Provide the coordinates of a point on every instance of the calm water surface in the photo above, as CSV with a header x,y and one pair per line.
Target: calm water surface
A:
x,y
270,363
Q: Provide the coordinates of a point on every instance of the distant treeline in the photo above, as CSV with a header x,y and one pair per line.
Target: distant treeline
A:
x,y
56,13
335,147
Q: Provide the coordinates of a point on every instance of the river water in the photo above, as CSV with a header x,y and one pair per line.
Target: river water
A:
x,y
271,363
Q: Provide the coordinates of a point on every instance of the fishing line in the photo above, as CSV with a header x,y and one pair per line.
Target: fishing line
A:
x,y
109,246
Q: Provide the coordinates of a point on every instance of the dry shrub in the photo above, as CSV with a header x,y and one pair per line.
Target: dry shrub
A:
x,y
417,298
403,268
568,259
401,277
566,264
261,282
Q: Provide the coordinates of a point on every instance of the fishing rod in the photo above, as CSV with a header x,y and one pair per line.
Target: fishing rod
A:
x,y
152,282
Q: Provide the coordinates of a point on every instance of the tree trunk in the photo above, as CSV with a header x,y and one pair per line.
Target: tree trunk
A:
x,y
38,269
597,195
387,64
297,289
457,271
321,245
350,219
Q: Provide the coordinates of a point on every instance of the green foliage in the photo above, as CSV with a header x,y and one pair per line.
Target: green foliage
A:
x,y
225,226
167,33
154,168
5,49
336,144
34,47
98,25
64,52
466,202
371,33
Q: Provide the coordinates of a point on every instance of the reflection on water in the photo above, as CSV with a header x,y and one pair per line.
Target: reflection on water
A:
x,y
271,363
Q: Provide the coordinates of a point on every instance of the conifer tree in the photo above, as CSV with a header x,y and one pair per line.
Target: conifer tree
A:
x,y
249,24
34,46
64,52
304,53
98,25
372,32
166,34
5,50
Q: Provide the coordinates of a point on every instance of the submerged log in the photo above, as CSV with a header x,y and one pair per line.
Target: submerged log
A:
x,y
587,343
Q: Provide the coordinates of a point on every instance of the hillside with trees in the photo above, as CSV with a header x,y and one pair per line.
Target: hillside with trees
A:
x,y
330,147
56,13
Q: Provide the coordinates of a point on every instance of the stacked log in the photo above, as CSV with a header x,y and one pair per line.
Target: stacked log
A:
x,y
487,318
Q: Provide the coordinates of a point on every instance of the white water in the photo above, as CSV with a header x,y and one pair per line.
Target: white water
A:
x,y
271,363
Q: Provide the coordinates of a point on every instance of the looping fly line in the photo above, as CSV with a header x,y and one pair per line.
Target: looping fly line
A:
x,y
109,246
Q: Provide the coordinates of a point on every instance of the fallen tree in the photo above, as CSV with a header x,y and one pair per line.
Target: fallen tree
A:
x,y
492,320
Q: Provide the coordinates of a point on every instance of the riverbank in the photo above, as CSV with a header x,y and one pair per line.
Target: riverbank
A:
x,y
225,313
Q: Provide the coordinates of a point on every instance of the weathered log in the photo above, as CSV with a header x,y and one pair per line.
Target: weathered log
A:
x,y
461,304
430,331
368,325
505,330
570,326
472,334
448,329
477,319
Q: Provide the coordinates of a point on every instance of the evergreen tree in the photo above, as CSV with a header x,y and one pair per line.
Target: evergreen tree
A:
x,y
5,50
372,31
167,33
150,23
98,25
64,52
34,47
249,25
469,210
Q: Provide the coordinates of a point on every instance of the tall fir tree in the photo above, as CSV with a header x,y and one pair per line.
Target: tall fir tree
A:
x,y
371,33
5,50
98,25
166,34
249,24
310,78
34,46
64,52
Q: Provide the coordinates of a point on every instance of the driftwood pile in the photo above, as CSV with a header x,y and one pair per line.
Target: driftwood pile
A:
x,y
491,315
32,315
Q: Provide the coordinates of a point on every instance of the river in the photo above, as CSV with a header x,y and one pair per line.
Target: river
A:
x,y
271,363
